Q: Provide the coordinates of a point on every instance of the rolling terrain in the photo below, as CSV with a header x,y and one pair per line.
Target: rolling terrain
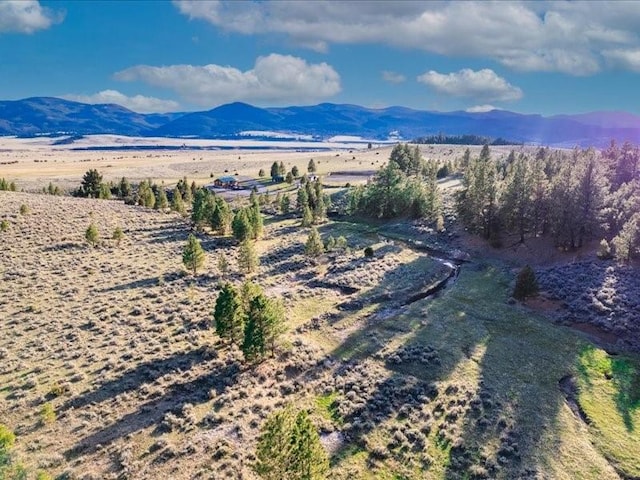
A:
x,y
117,342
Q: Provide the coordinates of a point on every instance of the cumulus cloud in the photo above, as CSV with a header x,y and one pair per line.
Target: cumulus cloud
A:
x,y
137,103
569,37
393,77
626,59
480,109
26,16
483,84
273,79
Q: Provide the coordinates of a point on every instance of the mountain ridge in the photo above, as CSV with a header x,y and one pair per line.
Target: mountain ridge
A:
x,y
47,115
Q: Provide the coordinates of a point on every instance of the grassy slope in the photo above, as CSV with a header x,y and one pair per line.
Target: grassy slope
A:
x,y
497,411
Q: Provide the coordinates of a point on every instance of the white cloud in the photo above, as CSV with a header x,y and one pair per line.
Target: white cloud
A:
x,y
137,103
626,59
569,37
26,16
273,79
393,77
483,84
480,109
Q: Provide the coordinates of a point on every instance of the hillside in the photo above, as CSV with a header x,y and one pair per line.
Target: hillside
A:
x,y
117,340
41,116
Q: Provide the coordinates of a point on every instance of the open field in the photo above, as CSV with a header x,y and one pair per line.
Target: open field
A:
x,y
33,163
117,342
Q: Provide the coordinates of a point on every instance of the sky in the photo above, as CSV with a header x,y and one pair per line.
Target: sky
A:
x,y
157,56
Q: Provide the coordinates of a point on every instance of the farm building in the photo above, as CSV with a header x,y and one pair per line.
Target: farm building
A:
x,y
226,182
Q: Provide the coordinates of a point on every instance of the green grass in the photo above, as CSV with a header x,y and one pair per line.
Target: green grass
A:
x,y
327,407
609,394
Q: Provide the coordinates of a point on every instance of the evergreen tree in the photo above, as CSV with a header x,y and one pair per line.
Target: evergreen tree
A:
x,y
193,255
307,217
228,314
161,201
275,171
247,257
124,188
91,235
526,284
295,172
302,199
281,169
261,173
314,246
241,225
221,217
257,223
203,206
177,204
289,447
289,178
516,199
264,325
91,182
105,192
311,167
285,204
309,459
626,242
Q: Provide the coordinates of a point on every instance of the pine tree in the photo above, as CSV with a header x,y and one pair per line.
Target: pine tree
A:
x,y
274,171
275,445
161,201
228,315
247,257
257,223
124,188
295,172
177,204
311,167
285,204
91,182
626,242
193,255
309,459
241,225
307,217
516,199
264,325
314,247
105,192
91,235
526,284
289,447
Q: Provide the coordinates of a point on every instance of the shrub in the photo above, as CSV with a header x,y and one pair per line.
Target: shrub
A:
x,y
118,235
24,209
526,284
368,252
47,413
4,225
7,438
91,235
604,250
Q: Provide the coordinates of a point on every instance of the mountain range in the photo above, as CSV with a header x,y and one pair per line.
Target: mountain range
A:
x,y
49,115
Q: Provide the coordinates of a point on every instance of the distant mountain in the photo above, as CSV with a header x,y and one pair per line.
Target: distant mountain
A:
x,y
42,115
45,115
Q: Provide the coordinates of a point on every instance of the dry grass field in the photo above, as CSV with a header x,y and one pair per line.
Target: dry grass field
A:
x,y
109,367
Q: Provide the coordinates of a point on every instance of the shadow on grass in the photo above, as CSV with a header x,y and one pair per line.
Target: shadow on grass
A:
x,y
494,426
193,391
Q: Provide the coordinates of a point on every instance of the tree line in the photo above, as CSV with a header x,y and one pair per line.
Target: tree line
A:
x,y
405,186
572,197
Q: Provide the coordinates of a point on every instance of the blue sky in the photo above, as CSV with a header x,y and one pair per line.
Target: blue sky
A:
x,y
530,57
